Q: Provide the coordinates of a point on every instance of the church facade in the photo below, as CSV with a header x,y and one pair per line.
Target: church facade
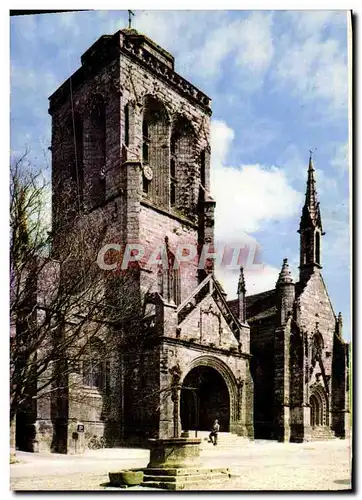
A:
x,y
299,359
130,145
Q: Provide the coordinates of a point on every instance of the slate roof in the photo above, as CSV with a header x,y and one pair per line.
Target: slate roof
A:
x,y
258,306
262,306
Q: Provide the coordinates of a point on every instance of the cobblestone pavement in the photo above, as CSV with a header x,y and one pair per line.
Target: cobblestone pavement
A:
x,y
260,465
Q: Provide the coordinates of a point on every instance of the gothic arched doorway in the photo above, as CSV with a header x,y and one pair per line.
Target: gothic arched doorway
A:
x,y
204,398
315,411
318,408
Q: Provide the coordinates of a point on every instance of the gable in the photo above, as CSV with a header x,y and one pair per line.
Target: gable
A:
x,y
207,326
316,312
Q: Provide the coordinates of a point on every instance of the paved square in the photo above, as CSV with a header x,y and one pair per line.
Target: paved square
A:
x,y
260,465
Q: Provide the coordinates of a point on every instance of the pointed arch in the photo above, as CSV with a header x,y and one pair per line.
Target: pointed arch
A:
x,y
155,151
94,365
182,155
227,375
317,346
319,406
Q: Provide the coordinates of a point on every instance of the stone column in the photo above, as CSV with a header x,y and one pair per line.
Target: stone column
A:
x,y
175,397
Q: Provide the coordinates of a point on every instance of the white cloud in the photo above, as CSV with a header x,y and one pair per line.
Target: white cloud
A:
x,y
255,42
312,22
314,69
248,40
341,158
248,196
256,281
203,40
30,81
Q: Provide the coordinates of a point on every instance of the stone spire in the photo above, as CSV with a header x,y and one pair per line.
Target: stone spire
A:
x,y
285,276
310,229
311,216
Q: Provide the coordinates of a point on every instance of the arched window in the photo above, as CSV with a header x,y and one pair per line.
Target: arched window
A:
x,y
182,151
95,366
317,247
307,248
98,150
317,346
155,151
173,180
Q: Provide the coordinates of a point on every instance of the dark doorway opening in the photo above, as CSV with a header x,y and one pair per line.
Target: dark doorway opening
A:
x,y
24,431
204,398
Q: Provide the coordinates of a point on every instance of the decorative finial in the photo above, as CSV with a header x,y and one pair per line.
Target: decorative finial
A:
x,y
241,284
130,14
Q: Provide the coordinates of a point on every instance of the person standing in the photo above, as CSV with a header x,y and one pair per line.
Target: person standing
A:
x,y
214,433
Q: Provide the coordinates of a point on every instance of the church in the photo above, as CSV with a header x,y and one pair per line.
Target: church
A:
x,y
131,145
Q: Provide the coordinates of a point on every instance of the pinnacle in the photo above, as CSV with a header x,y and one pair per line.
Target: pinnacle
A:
x,y
311,209
285,275
241,284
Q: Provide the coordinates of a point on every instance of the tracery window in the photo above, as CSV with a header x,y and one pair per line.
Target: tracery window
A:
x,y
155,151
317,345
182,151
95,366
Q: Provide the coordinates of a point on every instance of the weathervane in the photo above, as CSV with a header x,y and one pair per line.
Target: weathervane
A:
x,y
311,152
130,14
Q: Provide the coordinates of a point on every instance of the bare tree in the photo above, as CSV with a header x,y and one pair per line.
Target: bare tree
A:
x,y
61,301
59,298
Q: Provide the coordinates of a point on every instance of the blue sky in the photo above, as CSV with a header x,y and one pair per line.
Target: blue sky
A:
x,y
278,83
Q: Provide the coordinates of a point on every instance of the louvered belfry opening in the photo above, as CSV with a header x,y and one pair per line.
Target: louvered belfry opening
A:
x,y
155,150
182,168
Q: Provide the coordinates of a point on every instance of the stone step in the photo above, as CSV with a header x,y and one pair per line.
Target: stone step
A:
x,y
196,484
189,478
185,478
182,471
322,434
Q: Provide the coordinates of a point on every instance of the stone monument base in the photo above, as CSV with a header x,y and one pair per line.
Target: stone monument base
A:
x,y
175,465
193,478
174,452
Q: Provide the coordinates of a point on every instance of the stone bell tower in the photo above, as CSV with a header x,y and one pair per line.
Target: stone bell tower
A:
x,y
310,229
130,149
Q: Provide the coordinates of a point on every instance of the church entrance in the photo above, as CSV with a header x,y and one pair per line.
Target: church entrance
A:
x,y
204,398
318,409
315,411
